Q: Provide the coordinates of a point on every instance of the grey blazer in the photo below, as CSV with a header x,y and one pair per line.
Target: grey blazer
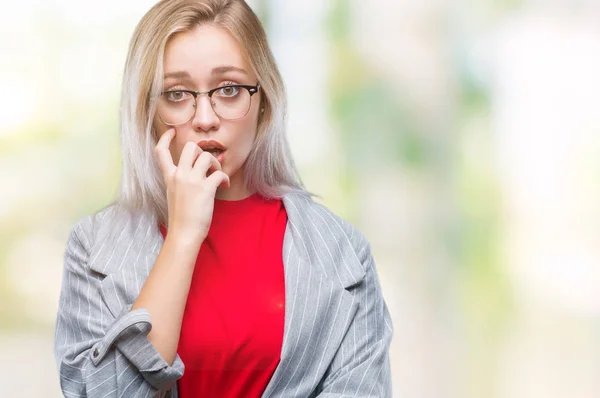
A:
x,y
337,326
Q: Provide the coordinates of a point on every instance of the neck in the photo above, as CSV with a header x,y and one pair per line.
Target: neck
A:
x,y
236,191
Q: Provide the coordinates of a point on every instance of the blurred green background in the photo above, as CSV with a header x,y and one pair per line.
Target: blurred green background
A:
x,y
460,137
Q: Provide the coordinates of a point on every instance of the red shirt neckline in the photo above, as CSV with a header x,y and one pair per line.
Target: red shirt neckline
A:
x,y
237,206
230,207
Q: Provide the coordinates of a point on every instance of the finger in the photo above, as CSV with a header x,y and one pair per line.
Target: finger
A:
x,y
189,154
206,164
165,160
219,179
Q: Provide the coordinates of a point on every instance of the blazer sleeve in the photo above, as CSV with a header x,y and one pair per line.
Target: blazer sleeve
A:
x,y
361,366
89,342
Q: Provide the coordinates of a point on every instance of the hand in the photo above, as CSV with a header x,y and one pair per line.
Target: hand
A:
x,y
191,188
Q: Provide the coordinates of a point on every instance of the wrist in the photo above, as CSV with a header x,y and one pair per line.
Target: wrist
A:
x,y
184,240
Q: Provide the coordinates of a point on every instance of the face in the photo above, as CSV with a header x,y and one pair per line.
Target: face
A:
x,y
199,60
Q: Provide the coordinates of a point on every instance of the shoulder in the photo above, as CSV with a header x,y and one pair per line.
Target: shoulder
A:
x,y
316,215
329,236
99,225
87,226
98,239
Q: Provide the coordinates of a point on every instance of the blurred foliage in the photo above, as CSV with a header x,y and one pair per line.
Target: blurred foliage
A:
x,y
377,127
372,122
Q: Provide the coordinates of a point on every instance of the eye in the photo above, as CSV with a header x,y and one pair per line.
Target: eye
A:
x,y
177,95
228,91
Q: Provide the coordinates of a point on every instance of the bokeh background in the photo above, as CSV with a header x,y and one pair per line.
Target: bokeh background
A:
x,y
461,137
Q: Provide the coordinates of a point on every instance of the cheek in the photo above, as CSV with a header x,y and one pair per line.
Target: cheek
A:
x,y
175,155
175,148
247,137
251,126
242,138
178,142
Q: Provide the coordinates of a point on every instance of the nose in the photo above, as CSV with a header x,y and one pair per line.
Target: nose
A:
x,y
205,118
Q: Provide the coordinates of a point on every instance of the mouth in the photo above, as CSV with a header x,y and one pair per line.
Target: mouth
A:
x,y
215,148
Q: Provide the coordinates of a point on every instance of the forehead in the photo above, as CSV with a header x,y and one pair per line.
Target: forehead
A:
x,y
201,50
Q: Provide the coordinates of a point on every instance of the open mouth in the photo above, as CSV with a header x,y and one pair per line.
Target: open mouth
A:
x,y
213,147
214,151
217,153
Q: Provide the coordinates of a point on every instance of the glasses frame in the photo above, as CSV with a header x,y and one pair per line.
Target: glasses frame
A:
x,y
251,90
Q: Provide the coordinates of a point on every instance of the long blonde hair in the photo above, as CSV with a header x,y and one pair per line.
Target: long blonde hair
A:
x,y
270,169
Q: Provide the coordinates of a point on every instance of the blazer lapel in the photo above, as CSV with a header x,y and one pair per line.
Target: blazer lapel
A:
x,y
124,251
318,309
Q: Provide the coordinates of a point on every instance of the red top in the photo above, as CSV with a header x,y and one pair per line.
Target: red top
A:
x,y
232,328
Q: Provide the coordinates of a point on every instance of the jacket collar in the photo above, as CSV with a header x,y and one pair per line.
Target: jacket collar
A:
x,y
320,236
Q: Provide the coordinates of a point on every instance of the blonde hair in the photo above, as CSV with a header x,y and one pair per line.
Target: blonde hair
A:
x,y
270,169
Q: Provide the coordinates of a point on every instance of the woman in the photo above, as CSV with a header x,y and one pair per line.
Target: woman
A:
x,y
214,256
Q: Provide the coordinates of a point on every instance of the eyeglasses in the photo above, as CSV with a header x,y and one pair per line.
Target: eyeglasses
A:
x,y
229,102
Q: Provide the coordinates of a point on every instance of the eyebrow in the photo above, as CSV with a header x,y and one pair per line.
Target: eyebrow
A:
x,y
220,70
177,75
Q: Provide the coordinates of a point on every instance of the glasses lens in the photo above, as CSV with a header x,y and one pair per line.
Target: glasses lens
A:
x,y
176,107
231,102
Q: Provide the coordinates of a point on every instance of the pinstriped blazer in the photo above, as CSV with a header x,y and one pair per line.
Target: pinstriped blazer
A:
x,y
337,326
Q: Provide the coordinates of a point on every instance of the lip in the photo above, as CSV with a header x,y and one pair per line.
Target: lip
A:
x,y
213,144
210,144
